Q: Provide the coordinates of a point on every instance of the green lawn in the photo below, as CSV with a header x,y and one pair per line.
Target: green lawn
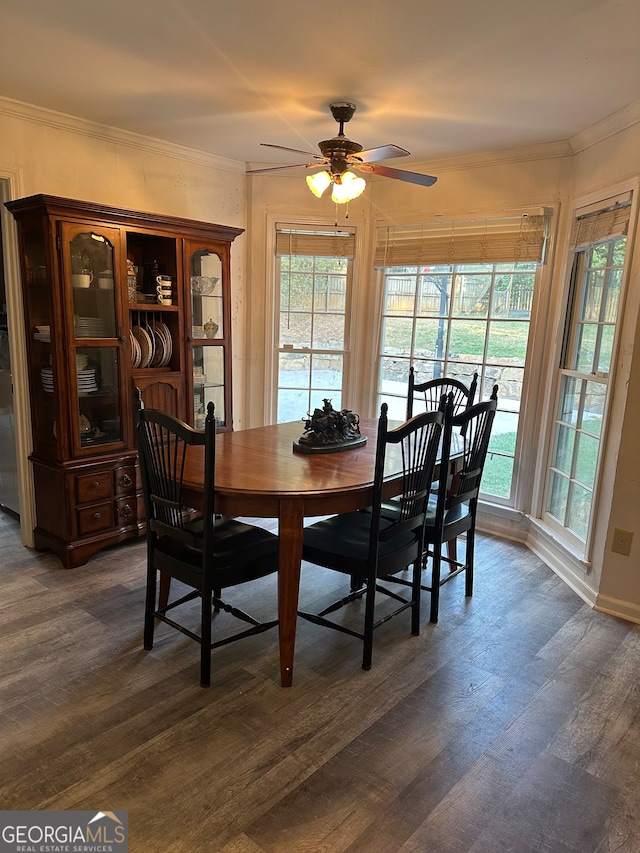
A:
x,y
498,470
507,338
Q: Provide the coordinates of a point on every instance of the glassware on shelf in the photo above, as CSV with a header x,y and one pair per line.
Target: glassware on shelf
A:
x,y
204,285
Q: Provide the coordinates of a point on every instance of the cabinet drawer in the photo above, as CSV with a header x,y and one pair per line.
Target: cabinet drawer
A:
x,y
126,510
95,518
93,487
125,479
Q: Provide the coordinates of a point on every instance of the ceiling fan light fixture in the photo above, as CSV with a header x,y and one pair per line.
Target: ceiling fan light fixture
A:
x,y
318,183
346,187
339,153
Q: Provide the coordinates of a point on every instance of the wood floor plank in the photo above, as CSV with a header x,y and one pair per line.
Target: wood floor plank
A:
x,y
511,725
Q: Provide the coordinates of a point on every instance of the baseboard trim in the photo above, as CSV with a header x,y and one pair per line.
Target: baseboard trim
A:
x,y
507,523
562,563
615,607
502,521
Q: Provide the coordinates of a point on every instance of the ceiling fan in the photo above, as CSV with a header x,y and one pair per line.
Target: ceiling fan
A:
x,y
339,157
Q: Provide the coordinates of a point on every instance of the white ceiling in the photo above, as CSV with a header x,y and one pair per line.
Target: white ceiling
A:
x,y
438,77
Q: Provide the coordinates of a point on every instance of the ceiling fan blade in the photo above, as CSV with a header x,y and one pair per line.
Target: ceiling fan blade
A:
x,y
295,150
382,152
400,174
277,168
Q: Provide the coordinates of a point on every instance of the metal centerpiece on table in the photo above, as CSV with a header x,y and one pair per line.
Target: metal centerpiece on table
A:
x,y
328,431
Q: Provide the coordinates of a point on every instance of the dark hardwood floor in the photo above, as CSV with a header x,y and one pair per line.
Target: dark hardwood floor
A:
x,y
512,726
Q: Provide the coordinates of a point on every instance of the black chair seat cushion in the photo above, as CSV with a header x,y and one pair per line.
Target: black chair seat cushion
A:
x,y
456,513
240,551
457,520
342,543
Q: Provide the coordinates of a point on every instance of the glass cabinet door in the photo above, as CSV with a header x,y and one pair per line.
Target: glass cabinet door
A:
x,y
95,369
94,306
208,384
208,335
206,296
37,305
99,420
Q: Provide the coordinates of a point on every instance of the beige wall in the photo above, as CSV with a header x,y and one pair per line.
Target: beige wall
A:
x,y
506,181
43,152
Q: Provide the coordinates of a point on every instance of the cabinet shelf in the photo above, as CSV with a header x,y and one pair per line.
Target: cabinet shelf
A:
x,y
153,306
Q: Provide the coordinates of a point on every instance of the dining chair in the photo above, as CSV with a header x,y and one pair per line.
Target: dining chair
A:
x,y
165,579
433,389
452,509
366,544
204,552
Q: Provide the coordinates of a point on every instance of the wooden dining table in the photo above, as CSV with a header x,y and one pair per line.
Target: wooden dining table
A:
x,y
259,474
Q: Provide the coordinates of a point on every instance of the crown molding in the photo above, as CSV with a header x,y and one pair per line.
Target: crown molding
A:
x,y
115,135
498,157
607,127
541,151
610,125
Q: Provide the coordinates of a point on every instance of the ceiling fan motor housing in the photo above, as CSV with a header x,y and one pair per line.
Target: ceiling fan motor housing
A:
x,y
337,151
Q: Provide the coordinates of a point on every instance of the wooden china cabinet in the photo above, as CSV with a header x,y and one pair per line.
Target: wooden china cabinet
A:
x,y
95,332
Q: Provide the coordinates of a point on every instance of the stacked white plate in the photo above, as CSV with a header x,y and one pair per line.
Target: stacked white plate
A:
x,y
90,327
42,333
198,376
46,375
87,381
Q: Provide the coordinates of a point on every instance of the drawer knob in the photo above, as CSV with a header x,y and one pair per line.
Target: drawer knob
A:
x,y
126,511
96,516
95,485
125,480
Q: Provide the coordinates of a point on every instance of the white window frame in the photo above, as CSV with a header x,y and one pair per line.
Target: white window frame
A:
x,y
352,385
525,480
581,552
279,348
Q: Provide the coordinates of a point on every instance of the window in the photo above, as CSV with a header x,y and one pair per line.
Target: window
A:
x,y
453,319
599,243
314,271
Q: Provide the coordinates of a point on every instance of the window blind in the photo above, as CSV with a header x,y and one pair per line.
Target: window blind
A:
x,y
601,225
503,240
326,244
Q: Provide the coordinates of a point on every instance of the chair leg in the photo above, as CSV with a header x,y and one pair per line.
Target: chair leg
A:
x,y
149,607
415,595
369,609
205,638
356,583
452,552
165,588
436,560
469,556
